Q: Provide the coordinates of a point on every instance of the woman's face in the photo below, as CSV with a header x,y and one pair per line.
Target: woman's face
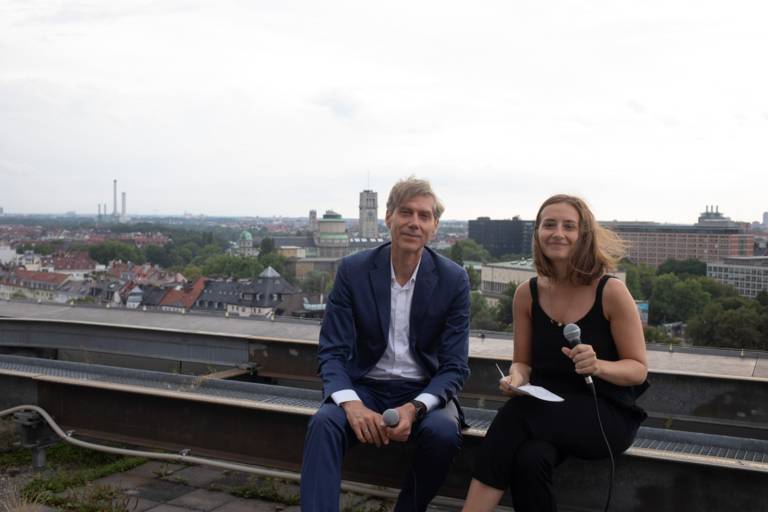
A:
x,y
559,231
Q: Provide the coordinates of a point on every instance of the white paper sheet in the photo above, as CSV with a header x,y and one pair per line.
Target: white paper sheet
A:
x,y
538,392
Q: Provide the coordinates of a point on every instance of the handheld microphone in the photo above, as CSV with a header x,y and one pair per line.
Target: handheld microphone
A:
x,y
572,334
391,417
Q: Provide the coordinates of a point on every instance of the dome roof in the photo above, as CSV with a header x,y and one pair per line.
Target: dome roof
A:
x,y
246,236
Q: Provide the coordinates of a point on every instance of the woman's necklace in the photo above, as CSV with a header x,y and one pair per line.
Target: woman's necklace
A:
x,y
555,322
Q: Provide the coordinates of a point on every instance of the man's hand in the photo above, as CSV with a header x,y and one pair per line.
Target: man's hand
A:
x,y
367,425
403,429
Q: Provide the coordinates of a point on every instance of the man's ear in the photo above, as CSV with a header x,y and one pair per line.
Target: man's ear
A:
x,y
388,220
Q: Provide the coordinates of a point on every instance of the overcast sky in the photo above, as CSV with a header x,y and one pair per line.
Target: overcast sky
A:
x,y
651,110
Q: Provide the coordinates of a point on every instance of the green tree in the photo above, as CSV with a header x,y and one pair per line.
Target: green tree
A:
x,y
205,252
192,272
111,250
733,322
316,282
267,246
274,260
474,277
647,276
683,268
633,279
457,254
481,315
762,298
472,251
715,289
657,335
237,267
43,248
674,300
157,255
504,307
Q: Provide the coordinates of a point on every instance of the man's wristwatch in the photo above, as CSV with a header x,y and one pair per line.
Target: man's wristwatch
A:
x,y
421,409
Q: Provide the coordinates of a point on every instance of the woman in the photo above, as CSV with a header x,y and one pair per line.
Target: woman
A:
x,y
529,437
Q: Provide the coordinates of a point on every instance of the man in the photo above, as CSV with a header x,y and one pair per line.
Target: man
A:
x,y
395,335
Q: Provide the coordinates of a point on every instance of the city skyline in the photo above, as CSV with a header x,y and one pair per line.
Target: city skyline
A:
x,y
105,212
649,111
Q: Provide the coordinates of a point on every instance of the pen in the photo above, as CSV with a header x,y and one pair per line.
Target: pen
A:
x,y
501,372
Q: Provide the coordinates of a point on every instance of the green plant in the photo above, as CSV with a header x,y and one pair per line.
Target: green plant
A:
x,y
266,489
91,498
66,479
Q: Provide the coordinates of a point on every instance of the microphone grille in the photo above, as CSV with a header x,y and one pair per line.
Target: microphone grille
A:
x,y
572,332
391,417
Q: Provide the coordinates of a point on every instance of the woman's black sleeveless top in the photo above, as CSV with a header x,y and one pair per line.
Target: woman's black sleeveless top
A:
x,y
553,370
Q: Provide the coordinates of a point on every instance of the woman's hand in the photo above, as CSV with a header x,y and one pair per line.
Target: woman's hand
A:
x,y
584,359
514,380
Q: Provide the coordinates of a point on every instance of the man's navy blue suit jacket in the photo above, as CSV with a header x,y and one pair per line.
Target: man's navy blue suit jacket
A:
x,y
356,325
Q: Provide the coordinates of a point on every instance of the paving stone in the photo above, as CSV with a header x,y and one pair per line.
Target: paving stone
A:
x,y
232,480
168,508
162,491
155,469
241,505
197,476
122,481
139,504
201,499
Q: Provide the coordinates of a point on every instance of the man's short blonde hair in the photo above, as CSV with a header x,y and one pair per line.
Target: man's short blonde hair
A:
x,y
407,189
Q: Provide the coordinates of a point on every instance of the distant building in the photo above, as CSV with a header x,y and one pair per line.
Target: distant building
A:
x,y
761,246
218,294
499,237
245,245
299,268
369,214
78,265
32,285
296,242
266,295
183,297
7,255
765,218
331,237
313,220
292,251
30,261
713,238
748,275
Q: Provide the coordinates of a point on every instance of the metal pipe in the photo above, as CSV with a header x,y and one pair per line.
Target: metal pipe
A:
x,y
379,492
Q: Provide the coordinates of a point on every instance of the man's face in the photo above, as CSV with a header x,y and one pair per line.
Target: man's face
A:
x,y
412,224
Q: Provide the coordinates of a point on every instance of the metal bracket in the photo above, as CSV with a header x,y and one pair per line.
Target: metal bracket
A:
x,y
36,435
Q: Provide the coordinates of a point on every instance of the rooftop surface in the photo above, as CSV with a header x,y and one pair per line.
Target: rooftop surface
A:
x,y
699,361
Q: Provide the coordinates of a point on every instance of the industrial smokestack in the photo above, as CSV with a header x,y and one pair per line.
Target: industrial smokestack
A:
x,y
114,197
99,206
123,215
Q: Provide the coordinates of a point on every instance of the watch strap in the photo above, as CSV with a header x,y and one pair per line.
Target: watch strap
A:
x,y
421,409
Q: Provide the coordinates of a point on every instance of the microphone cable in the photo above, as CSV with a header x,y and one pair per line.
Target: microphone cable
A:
x,y
591,387
572,333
